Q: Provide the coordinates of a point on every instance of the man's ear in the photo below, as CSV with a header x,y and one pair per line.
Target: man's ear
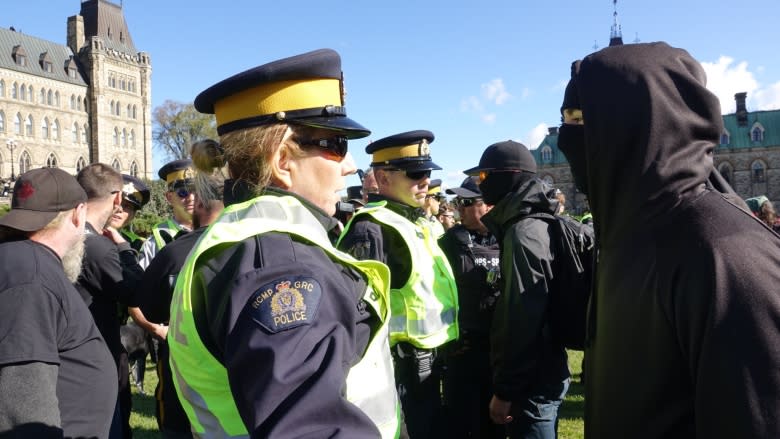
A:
x,y
79,215
382,178
168,195
281,176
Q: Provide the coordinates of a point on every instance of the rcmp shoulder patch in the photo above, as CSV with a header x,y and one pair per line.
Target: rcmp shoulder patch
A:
x,y
285,303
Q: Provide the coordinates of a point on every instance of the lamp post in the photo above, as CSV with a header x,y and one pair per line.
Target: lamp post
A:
x,y
11,145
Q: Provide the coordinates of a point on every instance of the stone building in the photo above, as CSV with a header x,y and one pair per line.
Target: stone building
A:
x,y
84,102
748,156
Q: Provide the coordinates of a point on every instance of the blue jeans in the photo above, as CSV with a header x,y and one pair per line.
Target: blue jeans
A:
x,y
536,417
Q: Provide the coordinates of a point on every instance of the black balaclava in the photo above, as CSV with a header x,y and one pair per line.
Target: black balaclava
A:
x,y
571,138
498,184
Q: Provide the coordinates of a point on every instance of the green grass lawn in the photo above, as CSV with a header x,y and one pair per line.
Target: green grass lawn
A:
x,y
570,425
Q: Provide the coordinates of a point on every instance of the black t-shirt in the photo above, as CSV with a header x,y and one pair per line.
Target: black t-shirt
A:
x,y
43,319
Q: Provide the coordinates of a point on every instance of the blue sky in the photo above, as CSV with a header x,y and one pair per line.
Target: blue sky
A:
x,y
474,73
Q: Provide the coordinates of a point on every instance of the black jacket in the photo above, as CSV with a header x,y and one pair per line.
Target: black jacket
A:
x,y
525,359
684,319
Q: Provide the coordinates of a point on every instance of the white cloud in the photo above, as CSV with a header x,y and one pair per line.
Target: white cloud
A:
x,y
495,91
534,137
470,104
726,78
489,118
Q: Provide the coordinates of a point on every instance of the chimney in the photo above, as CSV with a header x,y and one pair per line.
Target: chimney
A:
x,y
76,37
742,114
552,131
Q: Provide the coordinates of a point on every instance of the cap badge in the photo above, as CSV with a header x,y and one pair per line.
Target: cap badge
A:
x,y
425,150
25,191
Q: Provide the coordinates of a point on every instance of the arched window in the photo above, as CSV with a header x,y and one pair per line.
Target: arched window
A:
x,y
118,109
725,138
134,169
78,103
112,107
50,98
45,128
757,172
727,171
28,126
55,130
2,88
129,111
546,153
30,94
18,124
115,164
84,134
74,133
15,91
85,105
23,92
116,136
80,164
757,134
72,102
51,161
124,138
42,97
57,99
2,122
131,138
24,162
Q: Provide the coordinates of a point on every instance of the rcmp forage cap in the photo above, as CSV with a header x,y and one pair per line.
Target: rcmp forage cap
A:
x,y
305,89
177,171
468,189
39,196
508,155
134,191
407,151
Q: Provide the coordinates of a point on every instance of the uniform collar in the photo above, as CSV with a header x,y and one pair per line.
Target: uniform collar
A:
x,y
406,211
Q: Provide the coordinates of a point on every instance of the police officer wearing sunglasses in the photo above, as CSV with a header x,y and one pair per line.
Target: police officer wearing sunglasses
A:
x,y
178,176
392,228
273,332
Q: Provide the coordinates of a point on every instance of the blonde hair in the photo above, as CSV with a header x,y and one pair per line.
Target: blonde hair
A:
x,y
208,157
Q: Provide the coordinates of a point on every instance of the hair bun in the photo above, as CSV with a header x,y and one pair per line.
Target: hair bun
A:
x,y
207,155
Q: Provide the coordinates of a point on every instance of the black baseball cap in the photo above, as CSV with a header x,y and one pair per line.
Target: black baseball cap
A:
x,y
306,89
39,196
468,189
508,155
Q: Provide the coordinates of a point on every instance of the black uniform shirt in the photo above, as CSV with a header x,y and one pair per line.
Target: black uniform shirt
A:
x,y
109,275
43,320
287,379
368,239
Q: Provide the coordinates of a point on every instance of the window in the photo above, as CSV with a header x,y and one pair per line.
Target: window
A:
x,y
28,126
118,109
84,134
15,91
55,130
115,164
112,107
134,169
72,102
18,124
42,98
50,98
124,138
23,92
45,128
2,122
131,139
48,67
757,174
30,94
135,115
24,162
129,111
757,134
724,139
51,161
71,72
116,137
79,103
57,99
546,153
2,88
80,164
74,133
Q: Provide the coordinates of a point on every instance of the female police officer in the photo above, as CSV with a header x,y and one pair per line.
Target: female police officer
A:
x,y
274,333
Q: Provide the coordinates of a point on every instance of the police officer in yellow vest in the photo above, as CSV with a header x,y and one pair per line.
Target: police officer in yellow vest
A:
x,y
178,176
432,203
273,332
392,228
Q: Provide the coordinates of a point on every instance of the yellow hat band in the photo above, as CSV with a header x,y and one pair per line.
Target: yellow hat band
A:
x,y
279,96
182,174
436,190
421,150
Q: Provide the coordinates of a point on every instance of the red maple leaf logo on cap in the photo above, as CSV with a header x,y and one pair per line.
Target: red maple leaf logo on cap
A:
x,y
25,191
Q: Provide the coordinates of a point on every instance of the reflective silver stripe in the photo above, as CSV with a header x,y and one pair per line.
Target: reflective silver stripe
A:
x,y
213,429
433,322
290,213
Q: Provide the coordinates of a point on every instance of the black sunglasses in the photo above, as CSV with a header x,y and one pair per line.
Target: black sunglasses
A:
x,y
336,145
466,202
415,175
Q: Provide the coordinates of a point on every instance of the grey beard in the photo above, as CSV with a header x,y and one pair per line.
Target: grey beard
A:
x,y
71,260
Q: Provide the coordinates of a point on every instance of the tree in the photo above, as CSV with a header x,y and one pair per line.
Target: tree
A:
x,y
177,126
155,211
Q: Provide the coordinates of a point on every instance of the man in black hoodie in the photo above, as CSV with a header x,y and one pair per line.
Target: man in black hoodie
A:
x,y
530,370
683,325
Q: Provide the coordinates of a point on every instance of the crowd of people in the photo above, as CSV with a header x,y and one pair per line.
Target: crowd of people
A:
x,y
281,310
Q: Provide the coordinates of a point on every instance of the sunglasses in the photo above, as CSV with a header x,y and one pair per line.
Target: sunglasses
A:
x,y
414,175
483,175
466,202
335,148
182,191
437,196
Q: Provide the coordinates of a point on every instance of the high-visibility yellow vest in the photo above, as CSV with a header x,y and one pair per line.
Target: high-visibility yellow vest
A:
x,y
170,226
201,380
437,229
424,311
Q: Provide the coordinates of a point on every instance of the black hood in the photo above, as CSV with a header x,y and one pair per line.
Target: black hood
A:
x,y
650,130
531,197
